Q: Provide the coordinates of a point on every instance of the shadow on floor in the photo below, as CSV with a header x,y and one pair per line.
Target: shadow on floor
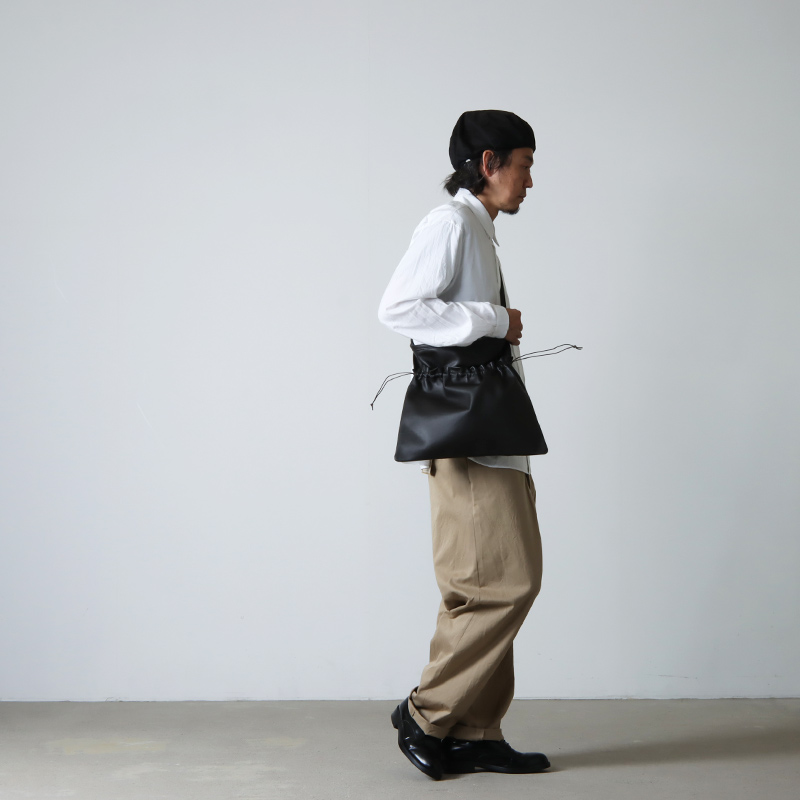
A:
x,y
734,745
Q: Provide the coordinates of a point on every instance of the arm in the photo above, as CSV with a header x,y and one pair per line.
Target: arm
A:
x,y
411,304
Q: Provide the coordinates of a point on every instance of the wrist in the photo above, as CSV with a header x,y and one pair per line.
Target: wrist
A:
x,y
501,322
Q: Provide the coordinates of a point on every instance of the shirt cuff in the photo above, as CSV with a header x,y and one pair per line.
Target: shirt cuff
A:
x,y
501,327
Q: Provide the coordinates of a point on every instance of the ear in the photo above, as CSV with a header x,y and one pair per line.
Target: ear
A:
x,y
486,157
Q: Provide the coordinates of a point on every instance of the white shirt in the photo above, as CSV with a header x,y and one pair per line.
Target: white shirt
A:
x,y
446,289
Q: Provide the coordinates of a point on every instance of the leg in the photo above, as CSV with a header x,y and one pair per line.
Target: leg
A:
x,y
487,559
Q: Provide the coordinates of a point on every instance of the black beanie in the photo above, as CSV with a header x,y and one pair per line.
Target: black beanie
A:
x,y
477,131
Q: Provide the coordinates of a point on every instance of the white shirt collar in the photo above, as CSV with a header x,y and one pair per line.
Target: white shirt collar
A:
x,y
465,196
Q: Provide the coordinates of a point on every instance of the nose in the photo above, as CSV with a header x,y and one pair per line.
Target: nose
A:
x,y
528,181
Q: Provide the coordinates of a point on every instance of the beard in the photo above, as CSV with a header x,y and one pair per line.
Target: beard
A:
x,y
511,211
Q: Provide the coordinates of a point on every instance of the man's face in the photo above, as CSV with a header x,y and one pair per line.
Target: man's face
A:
x,y
511,182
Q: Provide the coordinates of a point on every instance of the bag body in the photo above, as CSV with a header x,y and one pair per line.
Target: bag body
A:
x,y
467,401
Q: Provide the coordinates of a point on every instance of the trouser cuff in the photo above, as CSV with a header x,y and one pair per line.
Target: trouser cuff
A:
x,y
457,731
427,728
476,734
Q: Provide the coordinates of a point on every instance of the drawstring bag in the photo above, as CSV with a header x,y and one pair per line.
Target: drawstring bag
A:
x,y
467,401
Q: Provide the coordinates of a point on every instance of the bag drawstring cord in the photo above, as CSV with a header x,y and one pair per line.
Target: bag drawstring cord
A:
x,y
540,353
386,380
535,354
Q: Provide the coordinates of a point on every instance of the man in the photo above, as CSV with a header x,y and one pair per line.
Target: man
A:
x,y
447,291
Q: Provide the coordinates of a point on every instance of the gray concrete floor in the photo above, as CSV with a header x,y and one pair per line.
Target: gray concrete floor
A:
x,y
620,749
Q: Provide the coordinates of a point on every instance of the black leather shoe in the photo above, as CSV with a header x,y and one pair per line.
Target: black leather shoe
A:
x,y
462,756
423,751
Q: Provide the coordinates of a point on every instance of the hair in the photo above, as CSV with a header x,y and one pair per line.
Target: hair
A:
x,y
469,174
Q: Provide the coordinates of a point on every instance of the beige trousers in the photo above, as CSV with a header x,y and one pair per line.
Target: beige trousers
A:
x,y
487,556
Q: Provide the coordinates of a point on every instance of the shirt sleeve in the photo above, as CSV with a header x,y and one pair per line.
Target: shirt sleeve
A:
x,y
411,304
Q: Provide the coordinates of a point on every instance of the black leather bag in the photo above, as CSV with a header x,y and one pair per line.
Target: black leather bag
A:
x,y
467,401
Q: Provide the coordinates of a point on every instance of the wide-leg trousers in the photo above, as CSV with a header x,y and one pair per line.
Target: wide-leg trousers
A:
x,y
487,557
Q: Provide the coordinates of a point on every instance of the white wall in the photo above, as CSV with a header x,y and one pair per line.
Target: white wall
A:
x,y
201,206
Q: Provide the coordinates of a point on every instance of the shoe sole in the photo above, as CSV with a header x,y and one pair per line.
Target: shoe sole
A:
x,y
397,721
463,769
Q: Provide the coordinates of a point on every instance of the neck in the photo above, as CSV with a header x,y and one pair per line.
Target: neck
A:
x,y
488,205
